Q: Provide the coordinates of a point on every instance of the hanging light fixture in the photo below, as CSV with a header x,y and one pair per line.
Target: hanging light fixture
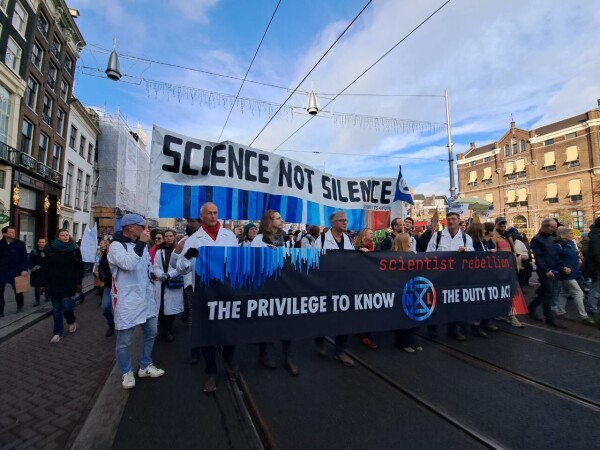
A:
x,y
313,106
112,70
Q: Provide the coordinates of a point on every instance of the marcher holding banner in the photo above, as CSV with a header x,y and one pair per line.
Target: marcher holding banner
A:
x,y
335,239
451,238
210,233
271,235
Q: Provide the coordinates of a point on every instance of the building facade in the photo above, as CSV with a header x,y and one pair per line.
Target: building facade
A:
x,y
79,170
529,175
46,56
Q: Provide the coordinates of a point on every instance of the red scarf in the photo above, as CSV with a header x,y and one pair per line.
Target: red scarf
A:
x,y
212,231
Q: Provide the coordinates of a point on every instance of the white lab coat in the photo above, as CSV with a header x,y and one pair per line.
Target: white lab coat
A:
x,y
173,297
225,238
132,291
330,243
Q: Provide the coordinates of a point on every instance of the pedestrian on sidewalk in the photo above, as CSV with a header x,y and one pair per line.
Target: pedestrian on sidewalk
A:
x,y
105,277
62,275
133,298
13,263
36,257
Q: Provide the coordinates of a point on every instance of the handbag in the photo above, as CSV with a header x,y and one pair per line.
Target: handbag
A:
x,y
175,282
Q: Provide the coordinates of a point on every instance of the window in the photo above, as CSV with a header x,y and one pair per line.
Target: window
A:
x,y
520,168
511,198
86,192
4,113
487,159
489,198
552,193
43,148
78,189
75,231
19,19
52,72
3,5
506,150
571,135
522,197
64,90
572,156
90,157
549,162
68,183
82,142
575,190
549,142
26,134
56,157
60,121
73,137
31,93
2,179
578,222
55,48
37,56
472,178
42,25
69,64
472,163
13,55
47,110
523,146
513,144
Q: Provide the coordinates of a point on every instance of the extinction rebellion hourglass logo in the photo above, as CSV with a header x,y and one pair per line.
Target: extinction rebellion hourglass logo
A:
x,y
418,298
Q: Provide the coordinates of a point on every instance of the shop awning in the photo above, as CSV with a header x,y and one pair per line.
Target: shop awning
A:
x,y
549,159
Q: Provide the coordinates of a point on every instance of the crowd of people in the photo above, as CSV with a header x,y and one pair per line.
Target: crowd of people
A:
x,y
147,279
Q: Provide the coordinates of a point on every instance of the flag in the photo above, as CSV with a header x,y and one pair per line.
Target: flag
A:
x,y
402,191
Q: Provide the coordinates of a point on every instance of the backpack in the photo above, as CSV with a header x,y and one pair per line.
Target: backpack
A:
x,y
298,243
439,238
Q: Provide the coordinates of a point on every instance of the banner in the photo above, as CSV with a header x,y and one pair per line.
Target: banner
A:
x,y
244,182
245,295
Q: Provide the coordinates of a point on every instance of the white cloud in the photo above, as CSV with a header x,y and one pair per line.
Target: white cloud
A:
x,y
196,10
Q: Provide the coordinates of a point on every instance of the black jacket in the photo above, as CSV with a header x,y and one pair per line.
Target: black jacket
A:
x,y
62,272
547,257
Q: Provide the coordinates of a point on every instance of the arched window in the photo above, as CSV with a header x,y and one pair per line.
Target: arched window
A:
x,y
520,222
65,224
515,148
506,150
523,146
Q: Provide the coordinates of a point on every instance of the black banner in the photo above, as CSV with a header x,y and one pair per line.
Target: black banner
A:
x,y
245,295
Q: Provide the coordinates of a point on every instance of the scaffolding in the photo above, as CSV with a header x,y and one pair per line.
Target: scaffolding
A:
x,y
123,165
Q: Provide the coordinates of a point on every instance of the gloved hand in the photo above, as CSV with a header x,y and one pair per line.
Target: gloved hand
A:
x,y
191,253
164,277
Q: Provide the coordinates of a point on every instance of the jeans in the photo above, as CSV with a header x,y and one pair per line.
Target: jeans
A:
x,y
107,310
546,294
18,297
340,343
123,347
62,307
570,288
592,298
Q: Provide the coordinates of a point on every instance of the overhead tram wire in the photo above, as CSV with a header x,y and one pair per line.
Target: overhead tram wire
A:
x,y
311,71
316,152
367,69
248,71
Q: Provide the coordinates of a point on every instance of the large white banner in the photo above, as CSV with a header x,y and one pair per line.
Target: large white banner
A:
x,y
244,182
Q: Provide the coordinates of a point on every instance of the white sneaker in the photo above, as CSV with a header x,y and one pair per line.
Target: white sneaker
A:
x,y
128,380
150,371
73,327
55,339
514,322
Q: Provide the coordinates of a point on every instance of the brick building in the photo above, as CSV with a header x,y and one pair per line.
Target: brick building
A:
x,y
529,175
45,57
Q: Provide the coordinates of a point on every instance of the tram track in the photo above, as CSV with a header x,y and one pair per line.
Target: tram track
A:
x,y
474,360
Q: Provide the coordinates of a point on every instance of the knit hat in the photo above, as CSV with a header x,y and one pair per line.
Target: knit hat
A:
x,y
248,227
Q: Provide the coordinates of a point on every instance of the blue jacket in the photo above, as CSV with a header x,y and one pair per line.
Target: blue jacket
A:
x,y
547,257
13,260
569,257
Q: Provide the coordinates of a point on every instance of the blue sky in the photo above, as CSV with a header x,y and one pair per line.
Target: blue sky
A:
x,y
535,60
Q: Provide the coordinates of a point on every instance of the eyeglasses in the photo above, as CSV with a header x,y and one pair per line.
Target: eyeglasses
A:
x,y
341,220
158,239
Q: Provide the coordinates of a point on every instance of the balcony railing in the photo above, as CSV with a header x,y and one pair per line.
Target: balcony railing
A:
x,y
44,170
18,158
